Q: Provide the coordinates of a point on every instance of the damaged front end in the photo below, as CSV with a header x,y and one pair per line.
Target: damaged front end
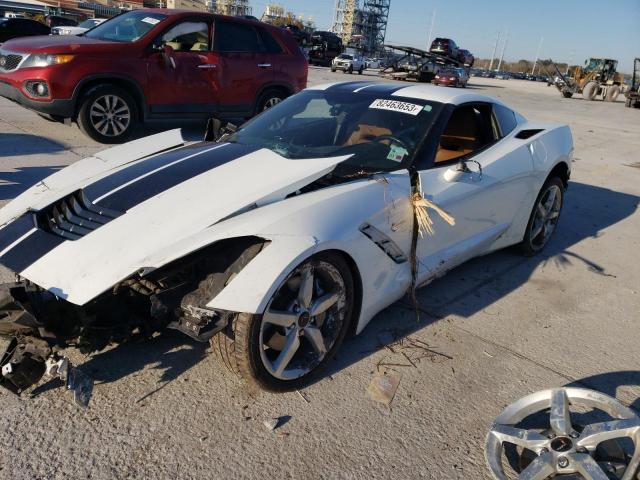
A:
x,y
36,325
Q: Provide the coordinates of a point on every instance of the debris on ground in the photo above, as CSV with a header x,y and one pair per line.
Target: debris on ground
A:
x,y
409,352
303,396
383,388
271,423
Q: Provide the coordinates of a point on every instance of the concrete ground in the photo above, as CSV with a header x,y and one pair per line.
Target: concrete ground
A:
x,y
508,326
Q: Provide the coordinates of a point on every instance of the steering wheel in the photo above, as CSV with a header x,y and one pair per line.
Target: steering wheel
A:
x,y
392,138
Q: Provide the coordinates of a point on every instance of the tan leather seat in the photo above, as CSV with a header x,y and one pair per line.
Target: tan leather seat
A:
x,y
460,137
175,45
365,133
200,47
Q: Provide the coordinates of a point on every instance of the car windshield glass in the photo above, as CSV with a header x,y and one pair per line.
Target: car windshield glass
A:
x,y
127,27
345,57
378,132
89,24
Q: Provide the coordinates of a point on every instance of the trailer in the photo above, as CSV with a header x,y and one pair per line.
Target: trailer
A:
x,y
417,64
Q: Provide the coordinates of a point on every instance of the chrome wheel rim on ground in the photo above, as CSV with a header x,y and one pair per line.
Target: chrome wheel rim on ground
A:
x,y
561,448
303,320
110,115
271,102
546,216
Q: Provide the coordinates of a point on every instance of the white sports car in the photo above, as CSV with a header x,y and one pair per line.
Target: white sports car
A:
x,y
280,237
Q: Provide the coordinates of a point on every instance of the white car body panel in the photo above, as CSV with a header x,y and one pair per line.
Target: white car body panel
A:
x,y
249,195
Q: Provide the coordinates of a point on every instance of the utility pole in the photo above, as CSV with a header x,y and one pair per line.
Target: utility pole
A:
x,y
504,47
495,47
433,20
537,55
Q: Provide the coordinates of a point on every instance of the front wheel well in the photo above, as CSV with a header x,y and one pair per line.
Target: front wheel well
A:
x,y
127,85
357,285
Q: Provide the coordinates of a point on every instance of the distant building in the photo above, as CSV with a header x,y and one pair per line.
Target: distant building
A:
x,y
197,5
233,7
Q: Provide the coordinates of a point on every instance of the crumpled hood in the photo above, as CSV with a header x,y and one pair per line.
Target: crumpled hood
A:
x,y
136,208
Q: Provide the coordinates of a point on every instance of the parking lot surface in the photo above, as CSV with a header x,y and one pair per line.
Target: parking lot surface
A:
x,y
505,325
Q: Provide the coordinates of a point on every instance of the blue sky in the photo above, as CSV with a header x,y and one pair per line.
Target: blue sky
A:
x,y
572,29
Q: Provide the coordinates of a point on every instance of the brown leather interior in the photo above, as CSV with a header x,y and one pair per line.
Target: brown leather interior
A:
x,y
460,136
365,133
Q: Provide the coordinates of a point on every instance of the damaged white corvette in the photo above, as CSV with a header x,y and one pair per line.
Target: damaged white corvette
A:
x,y
276,239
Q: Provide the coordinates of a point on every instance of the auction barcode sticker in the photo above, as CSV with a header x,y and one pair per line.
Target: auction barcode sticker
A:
x,y
395,106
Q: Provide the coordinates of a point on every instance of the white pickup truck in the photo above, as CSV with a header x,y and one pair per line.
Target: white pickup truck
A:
x,y
348,63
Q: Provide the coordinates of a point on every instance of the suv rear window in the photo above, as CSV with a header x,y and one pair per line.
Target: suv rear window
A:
x,y
235,37
270,44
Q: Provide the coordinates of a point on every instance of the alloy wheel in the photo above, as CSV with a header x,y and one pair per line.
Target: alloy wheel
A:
x,y
110,115
561,448
271,102
546,216
303,320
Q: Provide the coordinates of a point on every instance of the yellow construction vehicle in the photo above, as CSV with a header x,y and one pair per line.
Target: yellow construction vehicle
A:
x,y
598,77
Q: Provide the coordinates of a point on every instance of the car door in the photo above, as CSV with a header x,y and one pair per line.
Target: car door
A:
x,y
179,70
481,179
243,67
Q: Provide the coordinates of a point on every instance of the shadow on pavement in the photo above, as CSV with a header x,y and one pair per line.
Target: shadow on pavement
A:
x,y
616,385
19,144
14,183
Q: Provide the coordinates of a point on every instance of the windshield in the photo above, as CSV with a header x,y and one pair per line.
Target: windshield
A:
x,y
127,27
346,57
89,23
379,132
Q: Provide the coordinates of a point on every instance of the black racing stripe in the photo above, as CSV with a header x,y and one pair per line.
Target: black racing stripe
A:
x,y
30,250
384,88
156,183
348,86
106,184
15,230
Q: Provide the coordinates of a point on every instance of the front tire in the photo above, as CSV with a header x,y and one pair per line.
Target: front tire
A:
x,y
108,114
544,217
292,342
590,91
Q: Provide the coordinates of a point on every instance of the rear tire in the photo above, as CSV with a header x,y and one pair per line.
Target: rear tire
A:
x,y
567,94
268,99
360,71
544,217
612,93
107,114
241,349
590,91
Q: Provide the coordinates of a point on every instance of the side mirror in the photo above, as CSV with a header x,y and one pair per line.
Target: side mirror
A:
x,y
167,56
455,172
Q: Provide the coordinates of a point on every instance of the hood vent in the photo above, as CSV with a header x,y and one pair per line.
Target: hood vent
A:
x,y
74,216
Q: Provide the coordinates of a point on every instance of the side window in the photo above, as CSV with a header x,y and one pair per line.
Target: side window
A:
x,y
469,129
187,37
506,119
235,37
270,44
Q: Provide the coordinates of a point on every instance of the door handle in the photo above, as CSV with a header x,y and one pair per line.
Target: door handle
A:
x,y
207,66
264,65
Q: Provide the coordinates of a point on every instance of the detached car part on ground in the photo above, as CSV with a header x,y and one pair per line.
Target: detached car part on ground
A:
x,y
562,447
278,239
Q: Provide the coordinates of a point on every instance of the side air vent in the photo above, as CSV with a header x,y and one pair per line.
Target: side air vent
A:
x,y
524,134
73,217
385,243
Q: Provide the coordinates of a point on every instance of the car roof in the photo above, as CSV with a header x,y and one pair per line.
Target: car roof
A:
x,y
420,91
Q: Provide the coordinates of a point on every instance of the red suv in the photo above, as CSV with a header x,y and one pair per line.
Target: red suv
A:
x,y
153,64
